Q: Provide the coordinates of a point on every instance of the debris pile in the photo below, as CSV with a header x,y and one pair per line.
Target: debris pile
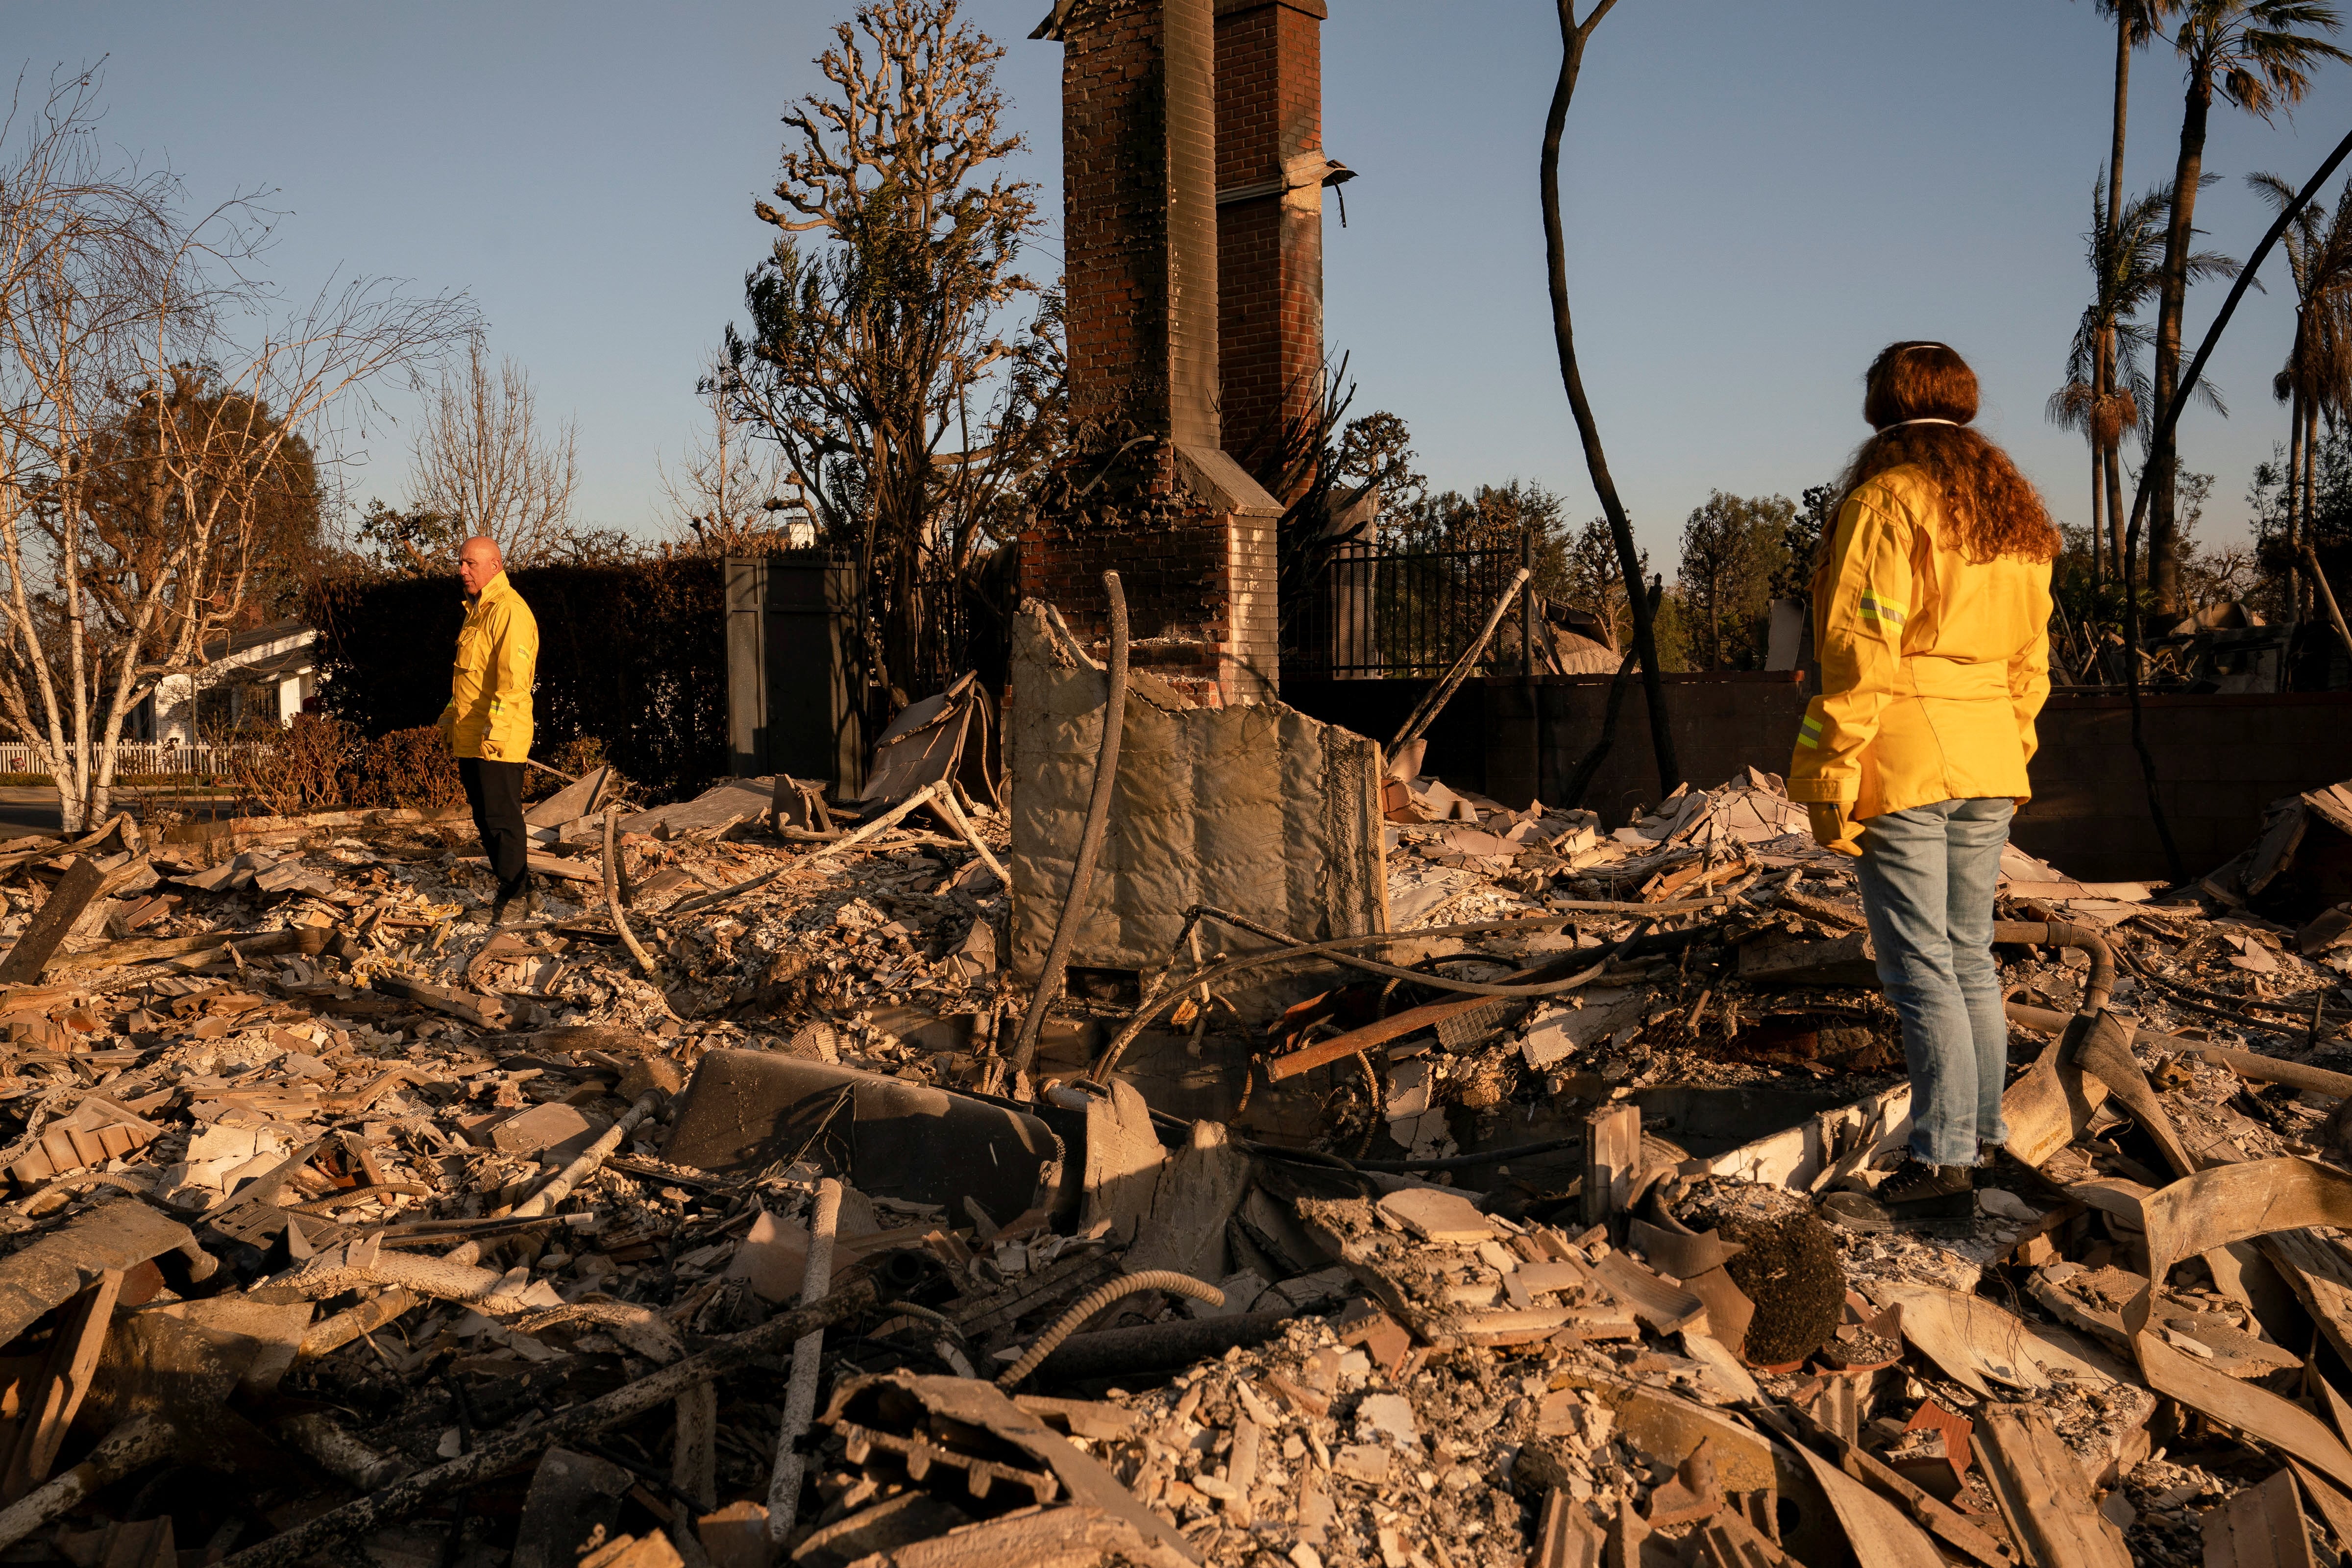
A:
x,y
708,1220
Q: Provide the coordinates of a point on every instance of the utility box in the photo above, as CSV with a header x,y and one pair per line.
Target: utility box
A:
x,y
791,694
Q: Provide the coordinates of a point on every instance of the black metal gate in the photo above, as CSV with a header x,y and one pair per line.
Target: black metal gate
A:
x,y
1379,614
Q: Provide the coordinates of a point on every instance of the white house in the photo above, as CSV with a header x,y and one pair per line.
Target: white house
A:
x,y
267,674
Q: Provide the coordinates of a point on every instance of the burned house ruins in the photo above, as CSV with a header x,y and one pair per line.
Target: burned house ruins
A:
x,y
1149,1105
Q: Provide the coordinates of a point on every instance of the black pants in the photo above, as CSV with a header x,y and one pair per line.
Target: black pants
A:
x,y
495,792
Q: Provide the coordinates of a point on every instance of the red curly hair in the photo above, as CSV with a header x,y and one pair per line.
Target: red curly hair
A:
x,y
1994,509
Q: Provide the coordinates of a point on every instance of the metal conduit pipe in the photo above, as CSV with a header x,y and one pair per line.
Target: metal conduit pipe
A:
x,y
1102,1296
1158,1347
2066,933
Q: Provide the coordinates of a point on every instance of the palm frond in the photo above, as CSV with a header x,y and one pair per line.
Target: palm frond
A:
x,y
2069,406
2259,54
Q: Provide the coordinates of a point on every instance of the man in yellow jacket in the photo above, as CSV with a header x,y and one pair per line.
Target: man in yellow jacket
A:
x,y
488,721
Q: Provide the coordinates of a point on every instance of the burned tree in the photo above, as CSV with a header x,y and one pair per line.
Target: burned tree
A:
x,y
1573,38
875,358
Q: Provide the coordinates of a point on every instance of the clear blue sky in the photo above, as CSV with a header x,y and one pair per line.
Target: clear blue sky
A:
x,y
1759,196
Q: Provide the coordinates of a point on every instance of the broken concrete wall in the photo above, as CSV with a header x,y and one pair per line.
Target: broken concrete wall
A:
x,y
1258,809
2220,759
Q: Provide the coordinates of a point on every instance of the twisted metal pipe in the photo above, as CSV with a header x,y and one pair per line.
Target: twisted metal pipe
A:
x,y
1090,841
2066,933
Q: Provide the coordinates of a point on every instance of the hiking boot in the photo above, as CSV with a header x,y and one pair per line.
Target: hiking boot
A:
x,y
513,909
1916,1196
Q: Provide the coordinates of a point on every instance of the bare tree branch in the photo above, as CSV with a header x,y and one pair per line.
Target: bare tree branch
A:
x,y
153,407
483,461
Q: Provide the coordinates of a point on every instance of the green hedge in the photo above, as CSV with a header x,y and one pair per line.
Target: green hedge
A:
x,y
635,656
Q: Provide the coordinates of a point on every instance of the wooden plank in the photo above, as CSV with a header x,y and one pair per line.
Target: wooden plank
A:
x,y
1612,1159
2282,836
1881,1537
557,865
577,799
2262,1526
310,940
2042,1491
1395,1026
57,1397
138,1544
1939,1518
1780,959
82,882
481,1011
53,1268
1957,1530
1428,1016
2333,1505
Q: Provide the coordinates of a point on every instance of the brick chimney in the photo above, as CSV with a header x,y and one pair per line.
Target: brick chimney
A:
x,y
1271,171
1195,546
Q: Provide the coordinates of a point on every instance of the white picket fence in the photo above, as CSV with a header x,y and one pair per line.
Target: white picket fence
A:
x,y
130,757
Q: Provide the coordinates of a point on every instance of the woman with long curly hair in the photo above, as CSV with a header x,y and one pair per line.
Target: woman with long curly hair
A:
x,y
1931,611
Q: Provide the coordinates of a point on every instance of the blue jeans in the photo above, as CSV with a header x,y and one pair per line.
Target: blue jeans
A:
x,y
1928,887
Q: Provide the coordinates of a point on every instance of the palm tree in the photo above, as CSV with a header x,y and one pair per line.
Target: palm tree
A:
x,y
2317,375
2136,21
2259,54
2106,388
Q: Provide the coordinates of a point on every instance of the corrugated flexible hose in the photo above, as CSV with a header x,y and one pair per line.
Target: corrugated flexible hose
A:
x,y
1102,1296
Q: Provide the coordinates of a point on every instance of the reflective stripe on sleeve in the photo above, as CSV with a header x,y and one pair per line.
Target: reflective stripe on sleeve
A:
x,y
1880,616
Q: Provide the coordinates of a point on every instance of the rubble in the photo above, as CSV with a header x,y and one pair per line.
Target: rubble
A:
x,y
1486,1232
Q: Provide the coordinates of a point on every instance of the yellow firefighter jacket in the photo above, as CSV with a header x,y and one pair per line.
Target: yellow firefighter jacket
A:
x,y
1933,666
489,714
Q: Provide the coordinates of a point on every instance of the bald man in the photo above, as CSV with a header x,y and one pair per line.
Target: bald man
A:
x,y
488,721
